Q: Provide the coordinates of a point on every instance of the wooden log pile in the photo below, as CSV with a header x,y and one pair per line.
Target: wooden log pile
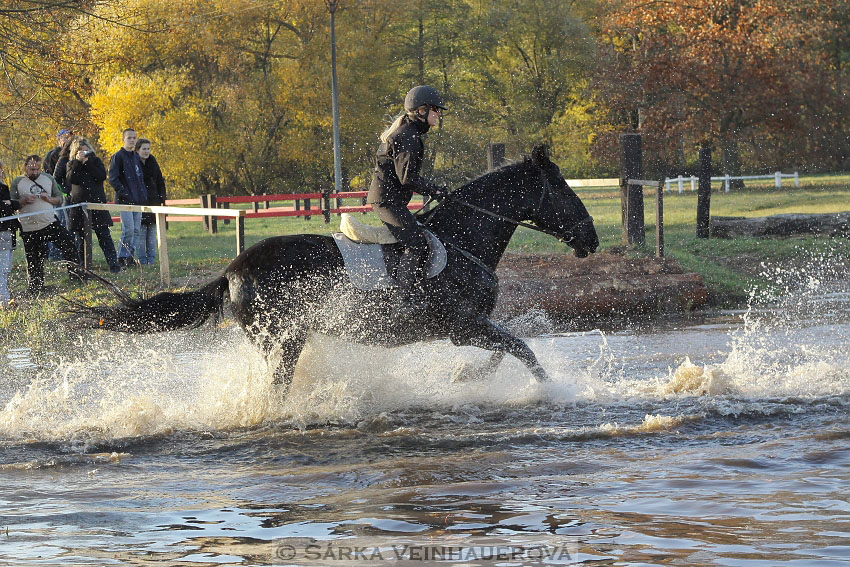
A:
x,y
599,287
828,224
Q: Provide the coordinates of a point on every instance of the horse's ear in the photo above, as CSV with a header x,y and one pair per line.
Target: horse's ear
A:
x,y
540,154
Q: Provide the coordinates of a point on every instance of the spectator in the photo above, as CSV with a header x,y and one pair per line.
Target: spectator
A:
x,y
85,176
60,171
155,186
8,228
49,166
52,157
125,176
38,192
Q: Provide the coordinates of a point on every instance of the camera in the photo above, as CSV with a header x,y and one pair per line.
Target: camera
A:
x,y
88,153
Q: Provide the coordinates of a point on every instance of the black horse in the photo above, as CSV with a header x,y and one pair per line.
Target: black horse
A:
x,y
285,287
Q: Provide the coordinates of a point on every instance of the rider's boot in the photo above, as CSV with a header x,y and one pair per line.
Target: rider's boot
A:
x,y
409,274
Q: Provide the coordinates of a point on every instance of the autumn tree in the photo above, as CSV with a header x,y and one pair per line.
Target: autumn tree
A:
x,y
512,72
708,71
37,91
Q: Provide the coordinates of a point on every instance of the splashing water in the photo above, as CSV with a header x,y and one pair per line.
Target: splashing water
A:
x,y
144,386
702,444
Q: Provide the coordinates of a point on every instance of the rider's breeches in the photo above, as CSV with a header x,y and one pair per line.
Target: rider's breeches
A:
x,y
404,227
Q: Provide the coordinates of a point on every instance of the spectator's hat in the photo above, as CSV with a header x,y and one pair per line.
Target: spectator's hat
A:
x,y
63,132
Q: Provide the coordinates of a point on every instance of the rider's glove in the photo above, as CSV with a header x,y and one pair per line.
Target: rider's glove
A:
x,y
441,192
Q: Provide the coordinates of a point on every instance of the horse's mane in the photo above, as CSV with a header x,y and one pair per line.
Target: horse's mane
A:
x,y
494,177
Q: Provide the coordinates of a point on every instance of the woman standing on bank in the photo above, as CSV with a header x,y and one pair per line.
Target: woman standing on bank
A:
x,y
84,178
155,185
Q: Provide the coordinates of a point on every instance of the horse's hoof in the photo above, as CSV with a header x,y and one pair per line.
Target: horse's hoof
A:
x,y
466,373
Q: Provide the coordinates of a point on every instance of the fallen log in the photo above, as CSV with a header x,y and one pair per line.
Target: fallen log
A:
x,y
601,287
827,224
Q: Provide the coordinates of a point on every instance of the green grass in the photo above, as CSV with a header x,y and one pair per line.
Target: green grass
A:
x,y
729,267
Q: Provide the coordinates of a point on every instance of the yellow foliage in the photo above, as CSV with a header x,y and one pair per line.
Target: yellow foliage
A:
x,y
133,101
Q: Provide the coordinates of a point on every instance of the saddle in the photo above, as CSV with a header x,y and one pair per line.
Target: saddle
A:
x,y
368,251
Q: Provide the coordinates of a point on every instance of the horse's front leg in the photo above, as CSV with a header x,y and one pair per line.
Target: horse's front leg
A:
x,y
484,333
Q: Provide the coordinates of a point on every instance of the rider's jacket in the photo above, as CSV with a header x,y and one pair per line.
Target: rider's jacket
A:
x,y
397,166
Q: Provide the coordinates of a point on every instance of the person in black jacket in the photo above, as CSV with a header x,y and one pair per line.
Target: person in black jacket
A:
x,y
54,164
60,168
125,176
84,178
8,228
397,177
155,186
52,157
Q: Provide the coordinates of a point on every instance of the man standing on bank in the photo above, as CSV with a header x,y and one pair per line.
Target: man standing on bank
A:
x,y
125,176
38,193
397,177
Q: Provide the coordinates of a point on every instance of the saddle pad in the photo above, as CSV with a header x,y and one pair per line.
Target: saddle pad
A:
x,y
367,269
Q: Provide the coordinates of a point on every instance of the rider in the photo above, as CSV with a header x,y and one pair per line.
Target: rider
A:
x,y
396,178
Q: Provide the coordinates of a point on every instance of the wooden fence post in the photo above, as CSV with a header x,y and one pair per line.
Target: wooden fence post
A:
x,y
704,192
162,246
659,220
307,208
87,259
213,220
326,205
632,195
495,155
226,205
240,233
205,203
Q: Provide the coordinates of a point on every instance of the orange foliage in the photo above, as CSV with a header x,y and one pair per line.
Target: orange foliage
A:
x,y
719,69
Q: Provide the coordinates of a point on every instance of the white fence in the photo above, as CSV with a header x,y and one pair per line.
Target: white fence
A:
x,y
160,215
726,179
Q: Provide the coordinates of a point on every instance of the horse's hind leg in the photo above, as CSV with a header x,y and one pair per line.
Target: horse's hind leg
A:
x,y
484,333
284,357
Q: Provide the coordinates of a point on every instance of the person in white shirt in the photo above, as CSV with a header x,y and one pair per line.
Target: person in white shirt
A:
x,y
38,192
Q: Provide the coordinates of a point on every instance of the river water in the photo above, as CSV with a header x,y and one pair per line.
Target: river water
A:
x,y
722,442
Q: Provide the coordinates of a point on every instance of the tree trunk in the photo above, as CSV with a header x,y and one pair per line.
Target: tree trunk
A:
x,y
420,48
732,160
681,160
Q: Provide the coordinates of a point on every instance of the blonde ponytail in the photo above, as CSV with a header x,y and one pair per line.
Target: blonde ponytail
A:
x,y
396,124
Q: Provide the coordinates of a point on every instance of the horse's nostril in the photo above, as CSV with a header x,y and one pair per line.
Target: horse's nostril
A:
x,y
581,253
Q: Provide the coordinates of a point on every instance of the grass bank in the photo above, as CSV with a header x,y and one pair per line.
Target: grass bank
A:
x,y
730,268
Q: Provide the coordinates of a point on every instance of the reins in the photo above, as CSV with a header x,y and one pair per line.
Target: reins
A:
x,y
497,216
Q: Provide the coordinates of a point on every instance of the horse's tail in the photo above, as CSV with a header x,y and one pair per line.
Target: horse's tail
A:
x,y
163,312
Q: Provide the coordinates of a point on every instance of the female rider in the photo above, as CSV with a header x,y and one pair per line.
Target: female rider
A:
x,y
397,177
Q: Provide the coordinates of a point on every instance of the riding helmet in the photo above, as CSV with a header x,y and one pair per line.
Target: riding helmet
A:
x,y
423,94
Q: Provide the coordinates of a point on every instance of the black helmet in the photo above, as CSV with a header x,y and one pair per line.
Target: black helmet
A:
x,y
423,94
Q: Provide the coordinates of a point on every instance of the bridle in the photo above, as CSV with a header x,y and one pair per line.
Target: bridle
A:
x,y
547,188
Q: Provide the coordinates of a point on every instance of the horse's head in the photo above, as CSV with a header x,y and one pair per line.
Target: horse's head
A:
x,y
560,211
